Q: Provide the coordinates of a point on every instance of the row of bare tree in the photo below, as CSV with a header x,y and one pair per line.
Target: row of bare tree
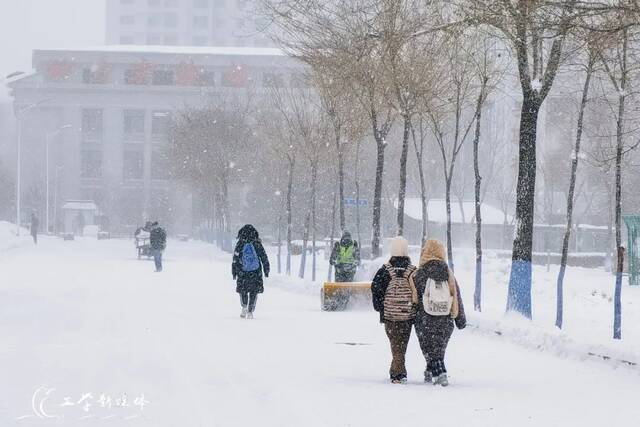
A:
x,y
424,71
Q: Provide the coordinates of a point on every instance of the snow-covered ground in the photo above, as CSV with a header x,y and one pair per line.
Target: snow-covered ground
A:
x,y
87,317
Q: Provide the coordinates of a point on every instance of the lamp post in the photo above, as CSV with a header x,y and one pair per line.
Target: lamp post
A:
x,y
48,139
19,116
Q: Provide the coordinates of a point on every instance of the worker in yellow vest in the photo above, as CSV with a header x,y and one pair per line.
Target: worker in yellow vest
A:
x,y
345,257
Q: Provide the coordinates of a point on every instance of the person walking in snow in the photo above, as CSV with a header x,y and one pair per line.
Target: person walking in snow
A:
x,y
438,308
35,224
393,297
158,243
249,262
345,257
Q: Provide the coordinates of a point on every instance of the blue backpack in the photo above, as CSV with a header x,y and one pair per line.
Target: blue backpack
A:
x,y
250,261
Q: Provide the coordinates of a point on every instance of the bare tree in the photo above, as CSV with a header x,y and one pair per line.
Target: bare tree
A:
x,y
452,114
536,31
589,68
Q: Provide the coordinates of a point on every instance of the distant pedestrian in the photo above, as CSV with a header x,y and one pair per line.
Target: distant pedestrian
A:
x,y
345,257
249,262
439,307
393,298
158,243
35,224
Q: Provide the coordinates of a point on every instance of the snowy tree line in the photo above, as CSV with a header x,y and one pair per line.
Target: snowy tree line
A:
x,y
399,91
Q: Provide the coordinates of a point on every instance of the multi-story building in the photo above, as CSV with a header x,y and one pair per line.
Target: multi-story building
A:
x,y
111,107
186,23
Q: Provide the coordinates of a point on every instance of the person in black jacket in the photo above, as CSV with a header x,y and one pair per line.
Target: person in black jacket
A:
x,y
35,224
158,243
434,331
393,297
249,262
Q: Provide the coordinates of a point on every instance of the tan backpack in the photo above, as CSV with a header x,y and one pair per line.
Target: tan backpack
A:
x,y
398,300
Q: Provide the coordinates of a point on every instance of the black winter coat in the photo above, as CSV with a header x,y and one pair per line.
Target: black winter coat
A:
x,y
381,281
158,238
438,271
249,281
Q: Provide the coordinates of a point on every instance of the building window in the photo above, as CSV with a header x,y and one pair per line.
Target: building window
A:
x,y
127,40
200,41
160,168
154,3
201,4
91,164
201,22
154,20
132,164
154,39
171,20
127,20
163,77
134,122
92,121
160,123
272,80
171,39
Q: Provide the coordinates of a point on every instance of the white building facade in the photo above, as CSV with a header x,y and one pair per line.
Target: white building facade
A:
x,y
186,23
114,106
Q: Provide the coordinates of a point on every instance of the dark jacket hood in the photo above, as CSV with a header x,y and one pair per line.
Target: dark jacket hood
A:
x,y
400,261
435,269
248,233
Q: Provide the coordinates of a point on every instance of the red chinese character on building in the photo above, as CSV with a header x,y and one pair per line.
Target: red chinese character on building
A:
x,y
238,76
187,74
59,70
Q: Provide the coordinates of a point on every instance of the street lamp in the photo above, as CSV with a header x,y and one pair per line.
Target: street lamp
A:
x,y
48,139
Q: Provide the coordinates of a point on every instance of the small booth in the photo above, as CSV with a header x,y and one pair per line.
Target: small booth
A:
x,y
633,248
79,216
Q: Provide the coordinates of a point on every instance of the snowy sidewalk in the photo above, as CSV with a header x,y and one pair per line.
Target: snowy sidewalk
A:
x,y
87,317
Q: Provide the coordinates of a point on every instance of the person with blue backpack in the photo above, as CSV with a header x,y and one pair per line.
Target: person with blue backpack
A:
x,y
249,262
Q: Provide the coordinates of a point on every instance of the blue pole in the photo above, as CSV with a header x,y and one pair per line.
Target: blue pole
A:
x,y
617,308
519,295
560,297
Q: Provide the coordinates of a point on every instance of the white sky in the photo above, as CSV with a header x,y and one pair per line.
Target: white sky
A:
x,y
31,24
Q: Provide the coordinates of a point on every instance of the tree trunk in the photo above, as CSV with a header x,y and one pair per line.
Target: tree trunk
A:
x,y
448,207
519,293
617,302
570,198
477,295
305,241
357,187
403,174
423,185
314,179
308,223
280,243
377,196
339,148
333,231
292,164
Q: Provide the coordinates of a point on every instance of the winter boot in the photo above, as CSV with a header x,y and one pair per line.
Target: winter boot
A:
x,y
250,315
442,380
437,371
243,314
402,380
428,378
